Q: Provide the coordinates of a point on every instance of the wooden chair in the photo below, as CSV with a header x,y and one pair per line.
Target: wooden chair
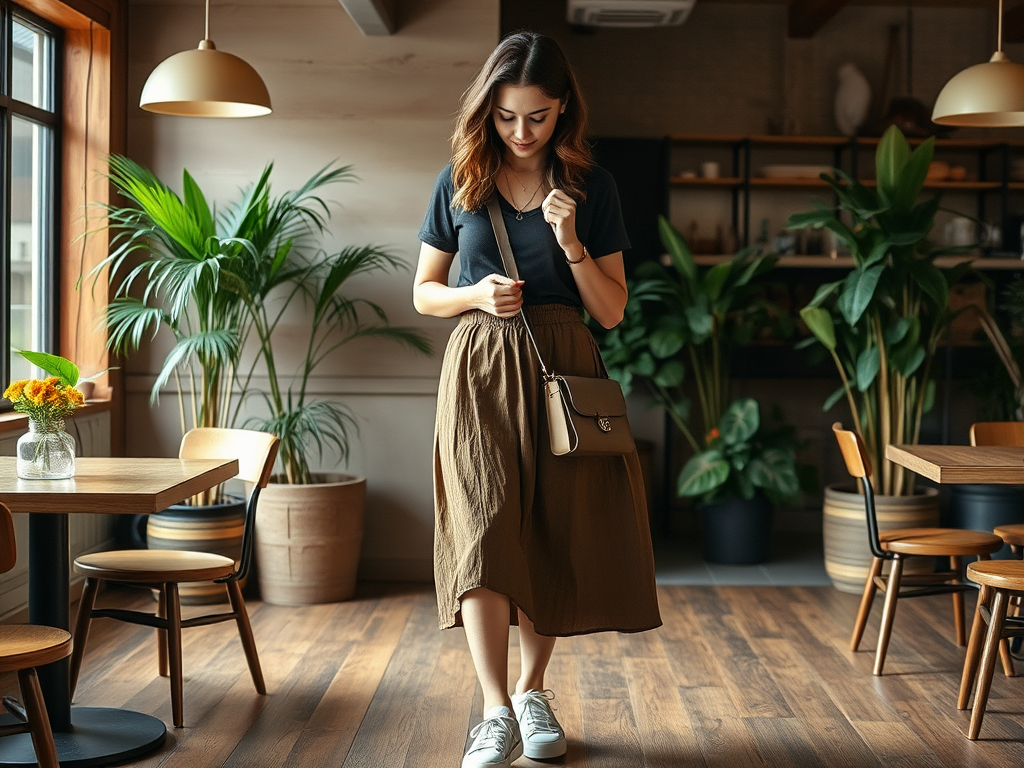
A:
x,y
165,569
23,647
1000,580
899,544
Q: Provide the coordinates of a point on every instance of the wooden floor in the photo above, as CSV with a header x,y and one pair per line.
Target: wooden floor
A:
x,y
737,677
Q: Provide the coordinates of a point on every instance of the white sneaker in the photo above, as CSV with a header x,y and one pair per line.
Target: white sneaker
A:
x,y
543,737
497,741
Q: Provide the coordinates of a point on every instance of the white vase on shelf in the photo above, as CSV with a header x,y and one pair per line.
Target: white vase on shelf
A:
x,y
853,97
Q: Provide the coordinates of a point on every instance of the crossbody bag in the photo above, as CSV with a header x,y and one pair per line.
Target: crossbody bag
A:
x,y
586,414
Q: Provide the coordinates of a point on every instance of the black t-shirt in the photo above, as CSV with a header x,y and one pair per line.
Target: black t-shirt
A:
x,y
540,260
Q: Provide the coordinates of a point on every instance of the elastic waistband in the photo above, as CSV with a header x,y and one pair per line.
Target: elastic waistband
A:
x,y
540,314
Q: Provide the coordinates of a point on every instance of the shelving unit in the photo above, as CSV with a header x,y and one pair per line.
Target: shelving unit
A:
x,y
990,162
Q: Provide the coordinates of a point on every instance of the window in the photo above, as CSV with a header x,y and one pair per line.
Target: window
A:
x,y
29,198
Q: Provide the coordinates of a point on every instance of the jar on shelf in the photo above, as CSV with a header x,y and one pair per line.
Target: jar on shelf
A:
x,y
46,451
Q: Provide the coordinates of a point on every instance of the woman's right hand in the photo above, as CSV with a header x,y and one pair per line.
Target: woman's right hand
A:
x,y
499,295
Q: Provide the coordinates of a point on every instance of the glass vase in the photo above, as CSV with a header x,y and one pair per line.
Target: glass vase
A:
x,y
46,451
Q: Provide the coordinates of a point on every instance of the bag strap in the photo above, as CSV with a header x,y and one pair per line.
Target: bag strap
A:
x,y
509,261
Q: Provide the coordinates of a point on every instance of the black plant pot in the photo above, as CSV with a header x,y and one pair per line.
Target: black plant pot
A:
x,y
983,507
737,531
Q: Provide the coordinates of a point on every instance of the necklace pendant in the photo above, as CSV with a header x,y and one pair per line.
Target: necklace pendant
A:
x,y
519,216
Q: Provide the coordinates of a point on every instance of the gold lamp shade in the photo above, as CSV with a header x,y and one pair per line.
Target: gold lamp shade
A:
x,y
205,82
988,95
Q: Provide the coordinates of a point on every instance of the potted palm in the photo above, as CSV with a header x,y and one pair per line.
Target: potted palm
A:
x,y
881,325
680,328
221,282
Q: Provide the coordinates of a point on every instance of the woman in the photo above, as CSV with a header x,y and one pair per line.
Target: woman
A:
x,y
556,544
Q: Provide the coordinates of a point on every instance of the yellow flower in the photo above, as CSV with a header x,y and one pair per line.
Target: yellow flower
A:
x,y
14,391
35,392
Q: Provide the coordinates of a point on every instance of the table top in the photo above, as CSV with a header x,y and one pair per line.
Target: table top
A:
x,y
995,465
125,486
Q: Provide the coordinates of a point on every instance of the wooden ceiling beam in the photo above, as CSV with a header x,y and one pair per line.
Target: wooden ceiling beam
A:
x,y
806,17
373,17
1013,25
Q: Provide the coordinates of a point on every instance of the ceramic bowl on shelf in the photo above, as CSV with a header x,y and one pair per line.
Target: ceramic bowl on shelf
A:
x,y
794,171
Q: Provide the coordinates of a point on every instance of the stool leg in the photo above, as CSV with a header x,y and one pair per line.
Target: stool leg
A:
x,y
988,662
958,605
174,651
973,649
245,633
161,635
892,591
865,603
38,720
82,624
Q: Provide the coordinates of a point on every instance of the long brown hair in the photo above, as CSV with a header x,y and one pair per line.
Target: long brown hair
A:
x,y
521,59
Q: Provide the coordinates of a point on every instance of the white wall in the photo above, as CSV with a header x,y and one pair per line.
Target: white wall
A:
x,y
382,104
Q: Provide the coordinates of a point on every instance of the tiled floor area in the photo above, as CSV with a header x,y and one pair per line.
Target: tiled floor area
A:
x,y
796,560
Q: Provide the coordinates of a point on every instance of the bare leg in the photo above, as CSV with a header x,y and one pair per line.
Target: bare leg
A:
x,y
535,652
485,617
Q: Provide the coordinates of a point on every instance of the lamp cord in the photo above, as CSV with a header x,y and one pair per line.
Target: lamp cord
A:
x,y
208,19
999,28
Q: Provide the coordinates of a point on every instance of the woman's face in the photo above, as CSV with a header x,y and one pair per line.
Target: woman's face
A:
x,y
525,119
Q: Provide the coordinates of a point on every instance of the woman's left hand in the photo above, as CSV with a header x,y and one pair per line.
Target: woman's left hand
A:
x,y
560,212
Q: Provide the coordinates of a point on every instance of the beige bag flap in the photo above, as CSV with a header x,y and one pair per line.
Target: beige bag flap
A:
x,y
590,396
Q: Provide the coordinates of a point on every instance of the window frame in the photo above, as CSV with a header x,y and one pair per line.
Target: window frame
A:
x,y
10,108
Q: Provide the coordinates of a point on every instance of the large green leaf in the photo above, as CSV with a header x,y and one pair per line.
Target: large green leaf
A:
x,y
703,473
775,470
819,321
858,291
740,421
670,374
715,278
817,218
824,291
677,250
868,364
665,342
911,179
931,281
54,365
890,158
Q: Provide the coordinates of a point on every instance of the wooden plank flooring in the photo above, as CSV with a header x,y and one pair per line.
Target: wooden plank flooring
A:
x,y
738,676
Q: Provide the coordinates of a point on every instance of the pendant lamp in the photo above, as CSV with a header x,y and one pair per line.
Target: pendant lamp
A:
x,y
989,95
205,82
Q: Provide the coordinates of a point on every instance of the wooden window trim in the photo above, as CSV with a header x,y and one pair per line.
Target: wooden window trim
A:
x,y
94,125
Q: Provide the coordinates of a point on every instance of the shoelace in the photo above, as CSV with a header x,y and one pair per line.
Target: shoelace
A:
x,y
494,733
538,712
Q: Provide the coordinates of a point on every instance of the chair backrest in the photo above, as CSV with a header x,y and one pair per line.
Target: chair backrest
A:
x,y
256,453
998,433
858,465
8,544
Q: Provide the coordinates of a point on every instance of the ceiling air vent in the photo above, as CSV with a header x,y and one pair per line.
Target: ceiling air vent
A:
x,y
629,13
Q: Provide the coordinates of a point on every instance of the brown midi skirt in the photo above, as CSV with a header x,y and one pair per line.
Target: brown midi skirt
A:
x,y
565,538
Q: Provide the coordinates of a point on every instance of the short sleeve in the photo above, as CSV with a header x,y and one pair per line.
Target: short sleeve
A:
x,y
438,228
607,233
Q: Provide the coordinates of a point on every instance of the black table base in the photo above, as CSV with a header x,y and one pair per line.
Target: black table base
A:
x,y
98,736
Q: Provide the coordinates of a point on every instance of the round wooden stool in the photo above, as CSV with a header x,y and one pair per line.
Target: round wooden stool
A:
x,y
1000,580
1012,535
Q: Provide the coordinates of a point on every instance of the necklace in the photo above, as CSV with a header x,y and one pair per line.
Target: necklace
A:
x,y
507,165
520,211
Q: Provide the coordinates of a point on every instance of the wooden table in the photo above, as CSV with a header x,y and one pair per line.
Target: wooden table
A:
x,y
984,465
88,736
